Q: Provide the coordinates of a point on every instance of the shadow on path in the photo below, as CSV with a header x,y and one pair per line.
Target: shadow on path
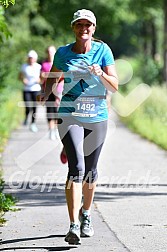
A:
x,y
46,248
101,196
32,195
31,239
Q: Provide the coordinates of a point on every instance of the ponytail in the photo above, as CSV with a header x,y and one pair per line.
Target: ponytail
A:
x,y
97,40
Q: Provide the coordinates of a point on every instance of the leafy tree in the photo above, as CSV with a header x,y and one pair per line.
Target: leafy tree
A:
x,y
165,40
6,3
128,26
4,30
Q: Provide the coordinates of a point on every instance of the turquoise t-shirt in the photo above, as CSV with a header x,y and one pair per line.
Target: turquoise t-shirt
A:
x,y
80,85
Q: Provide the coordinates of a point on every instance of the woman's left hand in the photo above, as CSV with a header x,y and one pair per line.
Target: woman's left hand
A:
x,y
96,69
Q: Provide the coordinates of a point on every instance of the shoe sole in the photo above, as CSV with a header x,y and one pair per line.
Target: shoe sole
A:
x,y
86,235
72,239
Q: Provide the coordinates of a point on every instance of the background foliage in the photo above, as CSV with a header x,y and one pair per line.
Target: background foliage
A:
x,y
130,27
136,30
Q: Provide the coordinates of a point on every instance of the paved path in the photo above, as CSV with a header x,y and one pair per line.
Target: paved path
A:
x,y
129,211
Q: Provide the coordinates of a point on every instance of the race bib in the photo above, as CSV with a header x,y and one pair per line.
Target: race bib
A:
x,y
86,107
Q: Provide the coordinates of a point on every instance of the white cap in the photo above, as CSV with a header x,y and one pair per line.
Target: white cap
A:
x,y
84,14
32,54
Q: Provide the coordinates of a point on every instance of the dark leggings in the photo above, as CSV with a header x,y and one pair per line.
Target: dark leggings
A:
x,y
83,143
51,109
30,103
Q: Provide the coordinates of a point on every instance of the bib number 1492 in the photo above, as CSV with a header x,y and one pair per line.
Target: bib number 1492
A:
x,y
86,106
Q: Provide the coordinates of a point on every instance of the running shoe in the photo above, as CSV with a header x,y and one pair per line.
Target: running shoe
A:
x,y
73,236
86,225
63,158
33,127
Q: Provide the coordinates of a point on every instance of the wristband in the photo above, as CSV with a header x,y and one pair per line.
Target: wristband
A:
x,y
102,73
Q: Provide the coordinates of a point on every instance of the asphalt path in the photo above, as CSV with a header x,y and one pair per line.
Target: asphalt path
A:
x,y
129,211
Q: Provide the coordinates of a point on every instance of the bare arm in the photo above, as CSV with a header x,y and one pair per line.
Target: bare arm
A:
x,y
22,78
25,80
108,76
51,82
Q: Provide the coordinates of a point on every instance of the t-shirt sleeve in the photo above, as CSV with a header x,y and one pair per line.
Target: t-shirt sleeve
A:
x,y
108,58
57,60
22,68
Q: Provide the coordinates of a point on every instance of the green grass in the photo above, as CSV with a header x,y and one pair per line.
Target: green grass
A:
x,y
10,117
150,118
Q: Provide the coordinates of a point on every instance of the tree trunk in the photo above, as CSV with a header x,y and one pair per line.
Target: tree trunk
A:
x,y
145,38
154,39
165,41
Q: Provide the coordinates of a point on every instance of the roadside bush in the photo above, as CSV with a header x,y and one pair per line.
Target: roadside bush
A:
x,y
150,118
149,70
10,117
7,201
